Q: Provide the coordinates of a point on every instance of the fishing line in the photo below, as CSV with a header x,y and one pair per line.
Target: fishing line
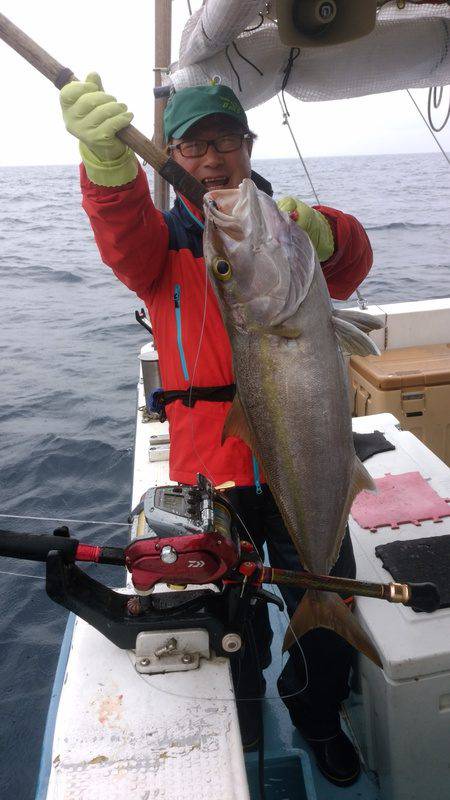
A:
x,y
297,641
23,575
200,340
247,532
276,697
65,519
244,526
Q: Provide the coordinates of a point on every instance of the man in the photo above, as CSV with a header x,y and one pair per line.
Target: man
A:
x,y
159,256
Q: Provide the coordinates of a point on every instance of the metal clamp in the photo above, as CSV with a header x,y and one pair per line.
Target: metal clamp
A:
x,y
174,651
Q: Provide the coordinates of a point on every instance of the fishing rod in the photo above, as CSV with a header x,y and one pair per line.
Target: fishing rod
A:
x,y
170,170
161,561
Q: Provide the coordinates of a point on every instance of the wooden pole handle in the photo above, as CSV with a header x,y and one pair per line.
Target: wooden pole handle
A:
x,y
59,75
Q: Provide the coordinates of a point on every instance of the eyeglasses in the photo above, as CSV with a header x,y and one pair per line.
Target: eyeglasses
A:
x,y
196,148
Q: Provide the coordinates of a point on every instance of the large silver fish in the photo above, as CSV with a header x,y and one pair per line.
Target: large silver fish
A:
x,y
291,405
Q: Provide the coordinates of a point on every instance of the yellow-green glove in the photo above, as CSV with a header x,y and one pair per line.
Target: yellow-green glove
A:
x,y
95,117
313,222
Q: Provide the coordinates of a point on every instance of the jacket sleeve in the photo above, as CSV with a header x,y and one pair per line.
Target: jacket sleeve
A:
x,y
352,257
130,232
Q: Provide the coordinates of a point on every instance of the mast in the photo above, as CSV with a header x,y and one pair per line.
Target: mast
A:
x,y
163,41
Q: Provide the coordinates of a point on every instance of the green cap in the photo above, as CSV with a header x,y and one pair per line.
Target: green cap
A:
x,y
188,106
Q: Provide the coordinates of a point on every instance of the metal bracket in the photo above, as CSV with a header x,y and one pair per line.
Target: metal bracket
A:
x,y
171,651
158,452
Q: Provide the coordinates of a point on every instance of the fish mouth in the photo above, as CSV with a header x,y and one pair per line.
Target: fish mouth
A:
x,y
233,210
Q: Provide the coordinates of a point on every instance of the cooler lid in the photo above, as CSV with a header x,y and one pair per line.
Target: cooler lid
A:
x,y
406,367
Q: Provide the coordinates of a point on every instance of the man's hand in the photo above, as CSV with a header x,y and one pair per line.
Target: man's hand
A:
x,y
313,222
95,117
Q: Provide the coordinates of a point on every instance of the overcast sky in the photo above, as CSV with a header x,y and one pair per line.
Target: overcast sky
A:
x,y
116,40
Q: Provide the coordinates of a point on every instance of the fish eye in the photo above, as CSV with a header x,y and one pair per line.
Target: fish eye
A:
x,y
222,269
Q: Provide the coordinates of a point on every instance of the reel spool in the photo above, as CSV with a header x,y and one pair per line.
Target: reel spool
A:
x,y
318,23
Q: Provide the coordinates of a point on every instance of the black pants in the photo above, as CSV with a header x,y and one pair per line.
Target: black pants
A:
x,y
327,655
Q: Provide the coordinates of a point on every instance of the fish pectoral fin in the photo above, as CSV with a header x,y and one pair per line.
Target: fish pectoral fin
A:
x,y
352,340
283,331
328,610
365,322
236,424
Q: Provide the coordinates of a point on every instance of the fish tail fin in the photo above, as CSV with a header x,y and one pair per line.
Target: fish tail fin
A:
x,y
328,610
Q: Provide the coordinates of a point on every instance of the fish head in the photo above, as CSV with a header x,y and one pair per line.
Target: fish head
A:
x,y
260,262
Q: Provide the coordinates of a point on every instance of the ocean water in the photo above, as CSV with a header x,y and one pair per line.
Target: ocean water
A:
x,y
69,346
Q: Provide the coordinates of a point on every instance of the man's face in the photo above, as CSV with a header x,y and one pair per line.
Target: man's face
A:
x,y
216,170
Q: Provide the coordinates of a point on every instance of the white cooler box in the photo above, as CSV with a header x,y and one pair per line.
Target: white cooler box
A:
x,y
401,715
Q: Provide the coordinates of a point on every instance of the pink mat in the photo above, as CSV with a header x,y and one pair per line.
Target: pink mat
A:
x,y
400,499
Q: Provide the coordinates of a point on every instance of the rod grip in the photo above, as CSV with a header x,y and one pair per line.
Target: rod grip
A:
x,y
36,546
424,597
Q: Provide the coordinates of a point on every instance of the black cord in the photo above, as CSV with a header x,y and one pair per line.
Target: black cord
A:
x,y
249,30
261,764
435,95
233,67
293,54
246,59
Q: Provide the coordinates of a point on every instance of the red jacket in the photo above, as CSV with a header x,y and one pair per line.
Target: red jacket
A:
x,y
159,256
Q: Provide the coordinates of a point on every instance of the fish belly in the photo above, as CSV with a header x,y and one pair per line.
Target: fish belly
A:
x,y
295,397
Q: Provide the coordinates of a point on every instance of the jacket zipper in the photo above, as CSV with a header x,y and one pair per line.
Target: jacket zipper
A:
x,y
176,299
258,487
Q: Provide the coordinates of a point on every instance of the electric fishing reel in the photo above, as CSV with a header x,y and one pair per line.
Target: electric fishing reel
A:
x,y
191,539
182,535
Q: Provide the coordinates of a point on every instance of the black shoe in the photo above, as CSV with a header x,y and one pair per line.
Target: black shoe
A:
x,y
250,722
335,754
336,758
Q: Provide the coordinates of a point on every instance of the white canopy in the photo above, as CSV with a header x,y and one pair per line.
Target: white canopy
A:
x,y
235,41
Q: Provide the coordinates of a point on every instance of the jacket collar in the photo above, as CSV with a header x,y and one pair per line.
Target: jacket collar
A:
x,y
188,214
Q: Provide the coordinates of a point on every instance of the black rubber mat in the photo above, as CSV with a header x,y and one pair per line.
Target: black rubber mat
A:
x,y
368,444
420,560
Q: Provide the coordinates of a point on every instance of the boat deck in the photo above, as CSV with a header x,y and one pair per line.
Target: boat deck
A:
x,y
121,735
283,741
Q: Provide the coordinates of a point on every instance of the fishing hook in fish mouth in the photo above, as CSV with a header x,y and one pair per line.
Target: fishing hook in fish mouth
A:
x,y
212,206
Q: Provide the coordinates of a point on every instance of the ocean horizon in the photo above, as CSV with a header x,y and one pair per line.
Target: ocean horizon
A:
x,y
70,348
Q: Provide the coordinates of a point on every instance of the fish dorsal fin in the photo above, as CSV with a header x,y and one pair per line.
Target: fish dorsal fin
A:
x,y
353,340
365,322
236,424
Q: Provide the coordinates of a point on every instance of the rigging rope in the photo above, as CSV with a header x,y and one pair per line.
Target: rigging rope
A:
x,y
285,113
429,128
